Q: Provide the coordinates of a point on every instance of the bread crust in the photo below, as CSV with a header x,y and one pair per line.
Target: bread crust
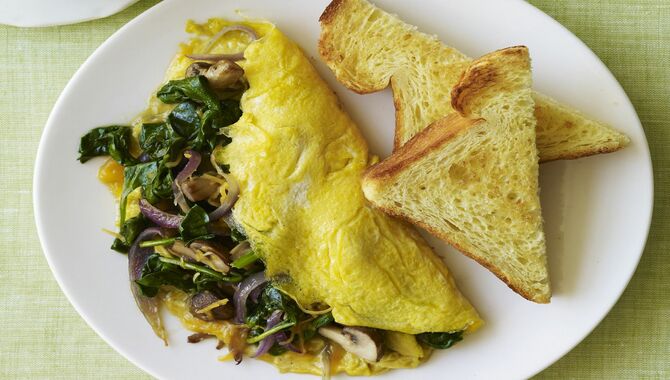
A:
x,y
424,142
485,74
330,55
330,11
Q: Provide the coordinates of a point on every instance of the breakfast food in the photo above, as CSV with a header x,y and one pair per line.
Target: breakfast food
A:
x,y
472,178
368,49
241,211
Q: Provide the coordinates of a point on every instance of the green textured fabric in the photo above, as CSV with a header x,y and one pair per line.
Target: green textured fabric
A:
x,y
43,336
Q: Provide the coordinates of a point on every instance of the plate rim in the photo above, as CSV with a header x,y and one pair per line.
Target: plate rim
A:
x,y
120,6
49,127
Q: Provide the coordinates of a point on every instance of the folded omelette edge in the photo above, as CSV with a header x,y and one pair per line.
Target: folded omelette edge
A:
x,y
298,158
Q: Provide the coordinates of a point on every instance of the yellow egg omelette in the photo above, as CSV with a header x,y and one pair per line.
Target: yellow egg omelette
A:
x,y
298,158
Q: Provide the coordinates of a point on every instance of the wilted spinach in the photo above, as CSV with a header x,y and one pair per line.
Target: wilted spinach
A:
x,y
159,142
194,225
154,178
130,229
160,186
157,273
440,340
194,88
184,120
271,299
237,236
202,133
160,271
114,141
313,326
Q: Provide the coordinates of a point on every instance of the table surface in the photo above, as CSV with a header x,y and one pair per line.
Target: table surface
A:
x,y
45,338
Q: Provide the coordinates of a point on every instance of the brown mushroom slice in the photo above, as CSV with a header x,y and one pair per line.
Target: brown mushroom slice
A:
x,y
197,68
199,304
223,74
205,252
360,341
198,189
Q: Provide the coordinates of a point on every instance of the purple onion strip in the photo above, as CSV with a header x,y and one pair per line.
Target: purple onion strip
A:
x,y
231,198
217,57
160,217
242,293
282,339
190,168
137,258
266,344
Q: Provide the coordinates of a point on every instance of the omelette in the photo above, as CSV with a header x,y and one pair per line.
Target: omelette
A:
x,y
244,216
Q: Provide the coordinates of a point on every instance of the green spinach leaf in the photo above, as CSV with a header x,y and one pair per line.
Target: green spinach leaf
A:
x,y
272,299
160,271
202,133
237,236
313,326
159,142
440,340
129,231
194,225
133,177
185,120
193,88
157,273
114,141
160,186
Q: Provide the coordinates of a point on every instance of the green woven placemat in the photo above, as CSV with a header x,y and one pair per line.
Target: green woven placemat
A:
x,y
43,336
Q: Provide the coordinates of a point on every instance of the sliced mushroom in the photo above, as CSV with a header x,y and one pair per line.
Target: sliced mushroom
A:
x,y
223,74
360,341
199,188
197,68
200,301
240,250
205,252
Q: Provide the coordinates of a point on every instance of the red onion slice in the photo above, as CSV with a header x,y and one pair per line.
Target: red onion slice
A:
x,y
217,57
266,344
190,168
242,293
283,338
231,197
137,258
160,217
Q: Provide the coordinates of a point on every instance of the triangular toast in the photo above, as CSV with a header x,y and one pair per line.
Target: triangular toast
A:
x,y
367,49
472,178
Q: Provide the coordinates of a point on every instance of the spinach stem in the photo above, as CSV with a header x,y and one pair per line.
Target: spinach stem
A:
x,y
245,260
266,333
154,243
202,269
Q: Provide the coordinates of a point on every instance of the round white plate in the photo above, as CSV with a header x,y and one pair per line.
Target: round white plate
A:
x,y
597,209
33,13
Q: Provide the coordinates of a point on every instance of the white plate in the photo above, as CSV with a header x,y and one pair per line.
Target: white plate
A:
x,y
33,13
597,209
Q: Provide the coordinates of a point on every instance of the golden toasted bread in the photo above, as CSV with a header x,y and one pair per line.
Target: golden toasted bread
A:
x,y
471,178
368,49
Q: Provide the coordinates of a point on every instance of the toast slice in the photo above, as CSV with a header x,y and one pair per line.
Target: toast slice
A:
x,y
471,178
368,49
